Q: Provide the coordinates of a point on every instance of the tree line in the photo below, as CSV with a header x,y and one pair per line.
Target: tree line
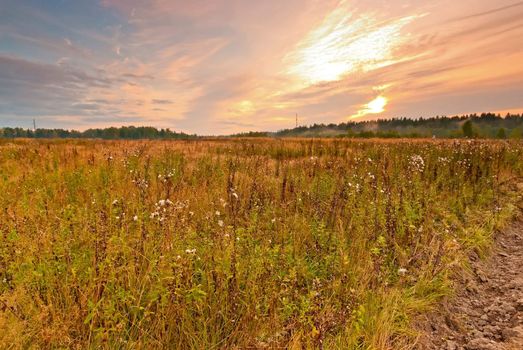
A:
x,y
112,133
485,125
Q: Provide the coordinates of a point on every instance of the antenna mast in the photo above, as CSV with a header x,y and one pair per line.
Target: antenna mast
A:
x,y
34,124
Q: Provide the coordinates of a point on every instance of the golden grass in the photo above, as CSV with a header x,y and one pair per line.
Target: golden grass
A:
x,y
223,244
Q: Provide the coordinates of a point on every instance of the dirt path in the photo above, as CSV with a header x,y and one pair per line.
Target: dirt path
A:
x,y
487,312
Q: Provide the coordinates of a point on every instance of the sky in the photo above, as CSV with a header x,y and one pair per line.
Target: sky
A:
x,y
226,66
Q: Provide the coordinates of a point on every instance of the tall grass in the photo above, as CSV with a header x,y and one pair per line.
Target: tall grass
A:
x,y
241,243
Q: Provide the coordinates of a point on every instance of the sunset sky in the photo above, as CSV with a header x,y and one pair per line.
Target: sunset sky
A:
x,y
225,66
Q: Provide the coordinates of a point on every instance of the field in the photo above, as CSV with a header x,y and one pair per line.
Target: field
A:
x,y
234,244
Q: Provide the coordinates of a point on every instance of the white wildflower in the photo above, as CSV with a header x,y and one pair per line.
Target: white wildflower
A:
x,y
417,163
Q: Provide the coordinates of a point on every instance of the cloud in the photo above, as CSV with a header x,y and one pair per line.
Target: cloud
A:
x,y
162,102
345,43
15,69
29,89
489,12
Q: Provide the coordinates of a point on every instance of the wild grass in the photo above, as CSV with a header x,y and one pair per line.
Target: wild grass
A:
x,y
240,244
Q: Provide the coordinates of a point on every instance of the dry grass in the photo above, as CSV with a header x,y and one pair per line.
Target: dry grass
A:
x,y
224,244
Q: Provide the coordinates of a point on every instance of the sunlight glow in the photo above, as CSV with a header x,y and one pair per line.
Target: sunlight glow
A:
x,y
375,106
343,44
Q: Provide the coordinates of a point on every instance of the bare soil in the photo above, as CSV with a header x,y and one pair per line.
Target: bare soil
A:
x,y
487,310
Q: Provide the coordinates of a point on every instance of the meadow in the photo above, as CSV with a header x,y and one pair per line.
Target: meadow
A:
x,y
235,244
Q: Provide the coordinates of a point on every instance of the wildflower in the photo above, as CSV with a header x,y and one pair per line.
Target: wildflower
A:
x,y
220,223
161,202
190,251
402,271
217,213
115,202
135,218
417,163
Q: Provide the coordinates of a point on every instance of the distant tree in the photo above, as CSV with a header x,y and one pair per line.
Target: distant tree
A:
x,y
501,134
467,129
516,133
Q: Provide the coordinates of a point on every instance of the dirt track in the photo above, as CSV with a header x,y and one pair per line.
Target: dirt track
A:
x,y
487,311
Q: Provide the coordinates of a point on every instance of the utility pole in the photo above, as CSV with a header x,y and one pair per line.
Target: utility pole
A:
x,y
296,119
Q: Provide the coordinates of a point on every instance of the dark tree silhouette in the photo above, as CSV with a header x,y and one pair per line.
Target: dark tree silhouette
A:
x,y
467,129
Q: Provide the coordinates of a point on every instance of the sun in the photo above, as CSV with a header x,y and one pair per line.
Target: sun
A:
x,y
375,106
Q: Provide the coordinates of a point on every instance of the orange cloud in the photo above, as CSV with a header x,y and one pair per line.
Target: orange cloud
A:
x,y
343,44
